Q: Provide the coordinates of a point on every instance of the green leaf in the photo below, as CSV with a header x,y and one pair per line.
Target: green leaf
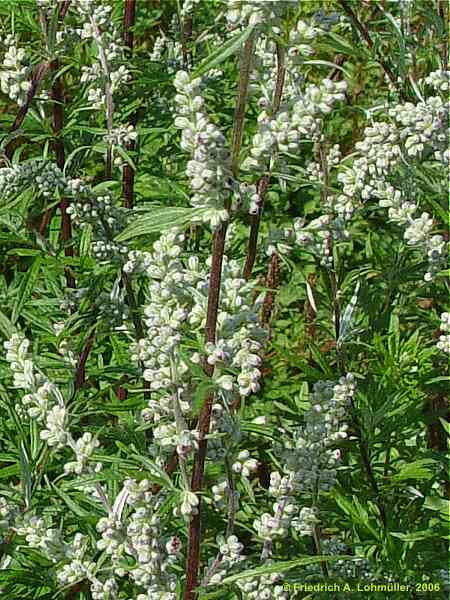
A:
x,y
24,196
6,327
25,288
415,470
445,425
26,474
355,510
280,567
223,52
126,157
413,536
73,506
338,44
160,219
327,63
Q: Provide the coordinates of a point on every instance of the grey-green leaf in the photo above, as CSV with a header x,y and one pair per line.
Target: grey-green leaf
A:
x,y
25,288
223,52
160,219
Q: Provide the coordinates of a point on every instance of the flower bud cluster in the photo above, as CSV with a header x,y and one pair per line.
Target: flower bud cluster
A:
x,y
161,409
188,7
265,587
65,348
444,339
188,505
309,462
271,527
314,170
99,27
244,465
414,129
243,13
112,307
120,137
56,433
209,168
78,568
113,536
425,123
38,535
301,119
306,520
158,48
8,515
45,403
84,447
87,206
221,491
439,80
228,436
179,294
90,207
311,458
106,251
248,196
263,76
15,72
154,554
318,236
173,56
42,394
44,176
167,436
240,337
165,314
44,398
230,555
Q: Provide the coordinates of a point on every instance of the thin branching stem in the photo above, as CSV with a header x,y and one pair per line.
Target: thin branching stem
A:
x,y
239,113
263,183
37,78
231,513
363,30
58,147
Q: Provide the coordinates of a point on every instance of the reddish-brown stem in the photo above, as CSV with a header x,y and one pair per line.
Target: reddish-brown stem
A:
x,y
239,113
58,146
443,13
263,183
193,557
38,76
255,221
128,23
272,284
363,30
186,33
80,373
64,8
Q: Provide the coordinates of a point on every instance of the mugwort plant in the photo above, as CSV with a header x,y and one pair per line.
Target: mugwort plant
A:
x,y
224,299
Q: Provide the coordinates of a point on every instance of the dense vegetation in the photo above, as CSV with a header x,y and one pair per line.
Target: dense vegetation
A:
x,y
224,299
